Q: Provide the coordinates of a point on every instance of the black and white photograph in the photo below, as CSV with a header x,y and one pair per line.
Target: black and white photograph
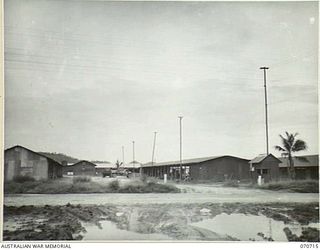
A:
x,y
160,121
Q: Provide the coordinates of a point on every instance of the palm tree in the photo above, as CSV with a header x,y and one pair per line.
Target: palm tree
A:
x,y
291,145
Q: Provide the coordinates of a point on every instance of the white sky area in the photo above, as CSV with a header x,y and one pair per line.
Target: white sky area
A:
x,y
85,78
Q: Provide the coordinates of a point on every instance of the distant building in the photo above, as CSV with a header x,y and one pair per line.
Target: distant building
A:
x,y
104,167
84,168
21,161
133,167
266,166
216,168
306,167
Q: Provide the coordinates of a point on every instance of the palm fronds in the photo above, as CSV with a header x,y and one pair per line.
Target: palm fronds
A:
x,y
289,145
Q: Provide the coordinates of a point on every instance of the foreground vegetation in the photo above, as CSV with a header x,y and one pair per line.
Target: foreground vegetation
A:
x,y
86,185
298,186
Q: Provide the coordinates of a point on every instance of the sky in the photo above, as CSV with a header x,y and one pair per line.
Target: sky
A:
x,y
85,78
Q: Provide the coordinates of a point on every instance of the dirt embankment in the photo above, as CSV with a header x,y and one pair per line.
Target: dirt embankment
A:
x,y
174,220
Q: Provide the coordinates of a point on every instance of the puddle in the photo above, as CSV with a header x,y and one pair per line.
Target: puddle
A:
x,y
109,231
245,227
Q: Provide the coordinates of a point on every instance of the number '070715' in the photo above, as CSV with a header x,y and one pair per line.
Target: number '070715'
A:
x,y
309,245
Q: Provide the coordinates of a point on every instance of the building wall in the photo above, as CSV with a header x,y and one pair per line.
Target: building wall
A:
x,y
83,168
272,167
302,173
54,170
22,162
66,169
102,170
221,169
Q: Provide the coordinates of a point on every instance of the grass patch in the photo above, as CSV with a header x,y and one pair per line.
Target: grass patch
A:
x,y
80,179
86,185
114,185
23,178
148,187
13,187
299,186
231,183
144,178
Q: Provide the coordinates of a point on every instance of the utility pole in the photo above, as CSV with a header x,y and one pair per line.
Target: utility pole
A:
x,y
123,155
180,169
154,146
266,105
133,153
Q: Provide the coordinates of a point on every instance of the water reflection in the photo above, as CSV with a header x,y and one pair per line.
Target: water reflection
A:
x,y
250,227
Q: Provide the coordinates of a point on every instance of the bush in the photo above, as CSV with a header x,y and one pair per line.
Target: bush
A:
x,y
23,178
153,187
299,186
81,179
114,185
231,183
144,178
82,185
12,187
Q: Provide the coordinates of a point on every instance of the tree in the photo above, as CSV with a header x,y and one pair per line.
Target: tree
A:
x,y
118,164
289,146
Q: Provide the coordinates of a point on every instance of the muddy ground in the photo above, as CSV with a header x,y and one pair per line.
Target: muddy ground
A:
x,y
173,220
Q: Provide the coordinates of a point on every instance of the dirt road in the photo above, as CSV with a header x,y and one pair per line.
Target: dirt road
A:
x,y
190,194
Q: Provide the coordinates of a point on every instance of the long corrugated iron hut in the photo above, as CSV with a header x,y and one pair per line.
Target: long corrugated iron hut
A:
x,y
306,167
215,168
83,168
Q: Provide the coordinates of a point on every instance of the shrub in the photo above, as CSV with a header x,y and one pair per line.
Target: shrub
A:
x,y
23,178
114,185
12,187
153,187
231,183
299,186
82,185
79,179
144,178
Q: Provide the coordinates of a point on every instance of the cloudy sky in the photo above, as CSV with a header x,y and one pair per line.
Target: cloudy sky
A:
x,y
87,77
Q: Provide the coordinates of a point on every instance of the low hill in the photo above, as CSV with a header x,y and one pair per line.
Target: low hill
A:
x,y
101,162
59,157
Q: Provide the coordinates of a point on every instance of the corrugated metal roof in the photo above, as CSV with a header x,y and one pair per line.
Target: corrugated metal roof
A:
x,y
258,159
187,161
261,158
85,162
105,165
19,146
312,161
111,165
130,165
